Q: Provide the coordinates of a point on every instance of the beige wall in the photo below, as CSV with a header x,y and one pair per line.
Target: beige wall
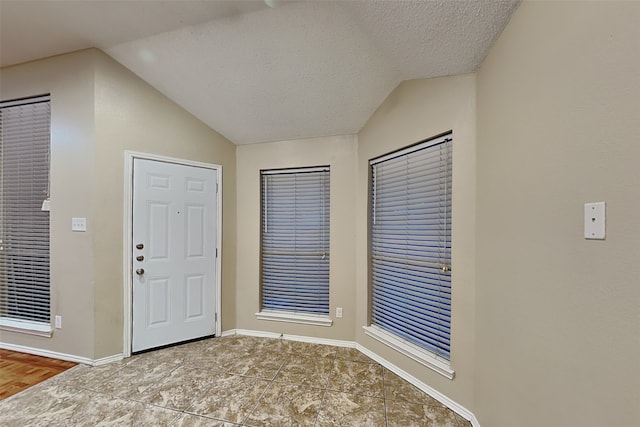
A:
x,y
99,109
414,111
558,316
338,152
70,80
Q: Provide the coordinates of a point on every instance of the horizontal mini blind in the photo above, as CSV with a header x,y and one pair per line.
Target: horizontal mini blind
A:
x,y
410,244
295,240
24,227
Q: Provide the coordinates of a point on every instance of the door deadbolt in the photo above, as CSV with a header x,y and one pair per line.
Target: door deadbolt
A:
x,y
139,258
139,246
140,271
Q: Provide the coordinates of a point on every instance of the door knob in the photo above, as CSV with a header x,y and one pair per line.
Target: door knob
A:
x,y
139,258
139,246
140,271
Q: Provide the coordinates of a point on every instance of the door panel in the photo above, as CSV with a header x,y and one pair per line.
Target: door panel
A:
x,y
174,221
194,297
158,230
158,302
195,227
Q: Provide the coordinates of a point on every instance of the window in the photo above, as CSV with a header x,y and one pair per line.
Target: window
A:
x,y
410,247
295,244
24,225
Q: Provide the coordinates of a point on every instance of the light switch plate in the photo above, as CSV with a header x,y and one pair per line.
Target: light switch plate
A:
x,y
594,221
78,224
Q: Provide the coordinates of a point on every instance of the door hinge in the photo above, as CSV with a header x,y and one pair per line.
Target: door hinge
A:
x,y
216,316
216,187
216,252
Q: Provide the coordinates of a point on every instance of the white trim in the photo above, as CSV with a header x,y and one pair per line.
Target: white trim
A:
x,y
304,319
26,327
23,101
424,357
108,359
46,353
129,157
412,148
454,406
300,338
294,170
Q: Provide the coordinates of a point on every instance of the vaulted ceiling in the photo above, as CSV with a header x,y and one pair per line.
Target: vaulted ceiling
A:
x,y
265,70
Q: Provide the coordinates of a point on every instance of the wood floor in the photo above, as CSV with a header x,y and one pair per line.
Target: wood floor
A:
x,y
20,370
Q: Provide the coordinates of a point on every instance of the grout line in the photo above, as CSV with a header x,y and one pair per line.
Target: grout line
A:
x,y
326,387
264,391
384,398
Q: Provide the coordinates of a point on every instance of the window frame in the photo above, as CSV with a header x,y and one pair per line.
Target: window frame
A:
x,y
41,267
437,362
295,316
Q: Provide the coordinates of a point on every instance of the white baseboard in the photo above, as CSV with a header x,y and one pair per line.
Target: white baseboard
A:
x,y
108,359
61,356
47,353
300,338
454,406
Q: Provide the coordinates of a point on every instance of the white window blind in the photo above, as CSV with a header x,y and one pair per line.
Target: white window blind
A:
x,y
295,240
410,244
24,227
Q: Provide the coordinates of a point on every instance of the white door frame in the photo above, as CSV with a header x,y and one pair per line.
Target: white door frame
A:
x,y
129,157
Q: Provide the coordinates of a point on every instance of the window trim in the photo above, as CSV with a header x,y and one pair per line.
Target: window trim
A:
x,y
292,317
415,352
25,326
419,354
299,317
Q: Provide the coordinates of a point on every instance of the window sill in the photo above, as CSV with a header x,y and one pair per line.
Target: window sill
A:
x,y
26,327
305,319
420,355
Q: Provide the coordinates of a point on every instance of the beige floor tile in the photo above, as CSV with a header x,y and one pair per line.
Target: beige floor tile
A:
x,y
261,364
345,409
409,414
131,381
214,358
225,382
42,406
397,388
357,377
462,422
308,370
152,358
229,398
82,375
312,350
207,344
179,389
353,355
188,420
278,345
138,414
239,344
284,405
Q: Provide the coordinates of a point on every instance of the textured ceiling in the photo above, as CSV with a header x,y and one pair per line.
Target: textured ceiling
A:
x,y
256,73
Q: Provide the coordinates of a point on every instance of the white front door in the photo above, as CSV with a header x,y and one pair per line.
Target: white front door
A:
x,y
174,250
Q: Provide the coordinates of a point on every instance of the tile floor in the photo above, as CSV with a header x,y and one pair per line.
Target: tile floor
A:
x,y
230,381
